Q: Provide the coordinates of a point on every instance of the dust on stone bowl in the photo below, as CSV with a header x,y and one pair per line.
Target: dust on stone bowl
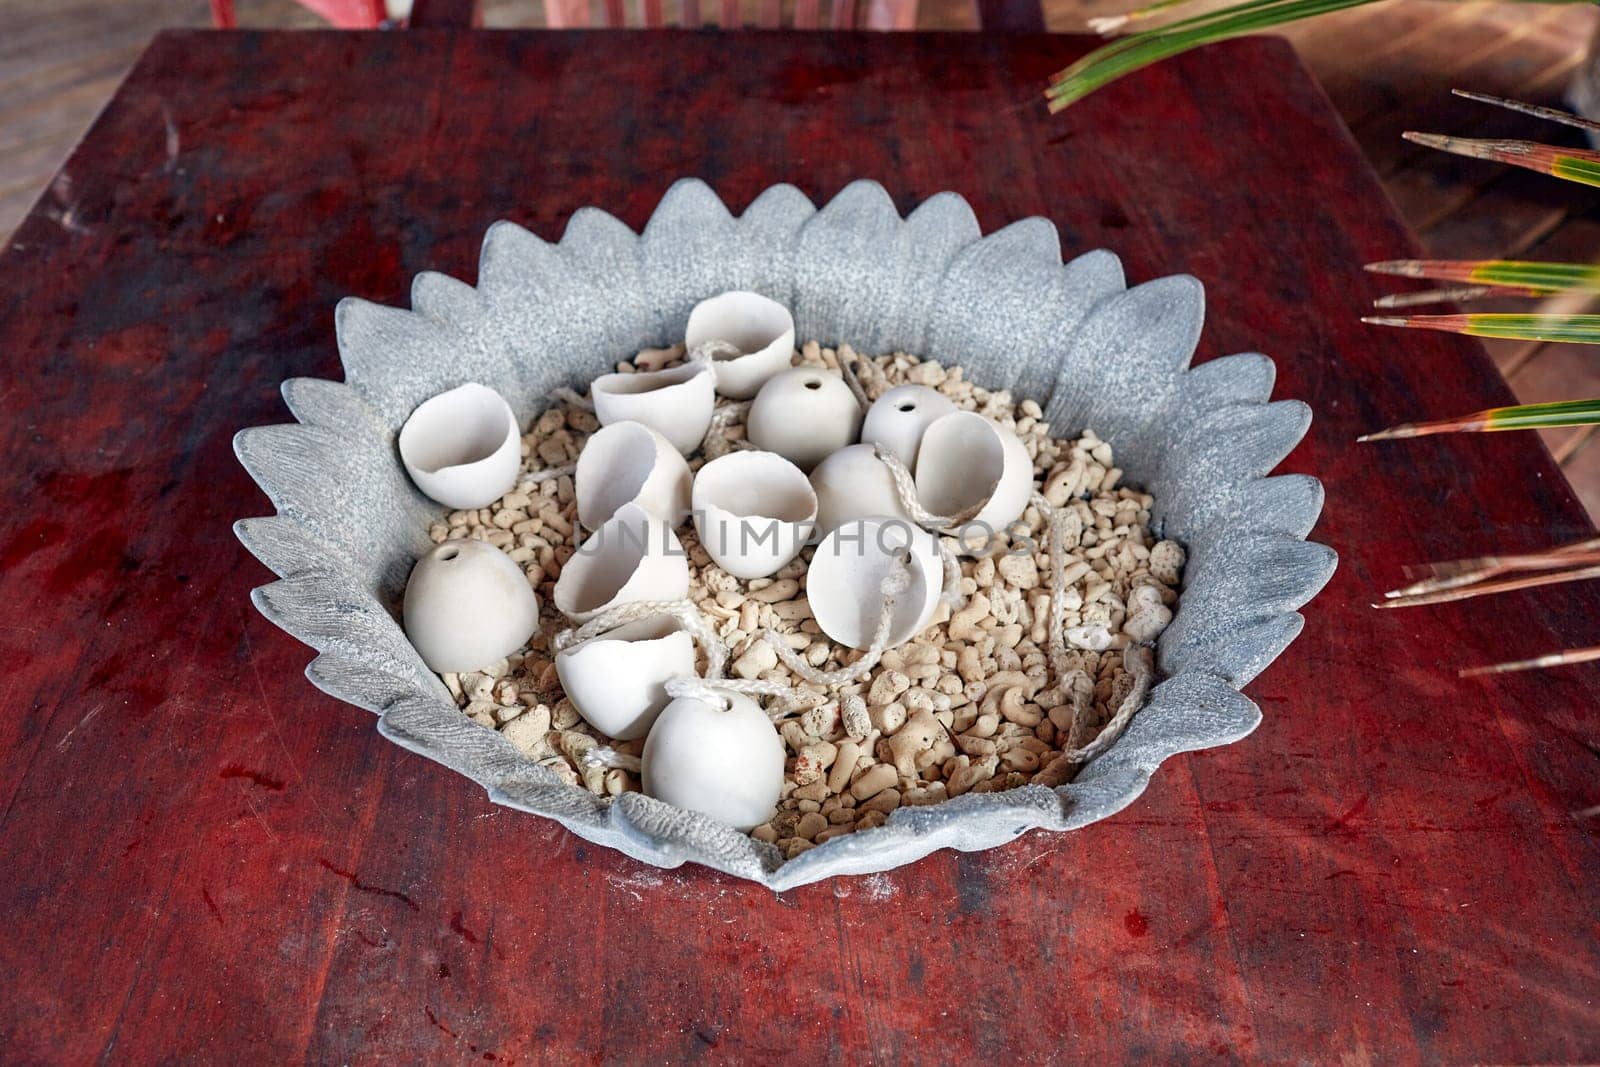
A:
x,y
982,699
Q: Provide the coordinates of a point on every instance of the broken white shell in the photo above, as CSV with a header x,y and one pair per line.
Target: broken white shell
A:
x,y
723,762
753,511
462,448
633,556
467,605
898,419
967,460
760,328
804,414
629,462
617,681
845,580
852,484
676,402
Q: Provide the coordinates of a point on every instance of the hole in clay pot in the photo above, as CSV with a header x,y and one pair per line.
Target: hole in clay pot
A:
x,y
907,406
448,554
812,383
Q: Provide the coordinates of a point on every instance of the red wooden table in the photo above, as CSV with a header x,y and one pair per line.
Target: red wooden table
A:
x,y
203,857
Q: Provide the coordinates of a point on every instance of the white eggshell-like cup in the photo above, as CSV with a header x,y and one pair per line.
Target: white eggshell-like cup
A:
x,y
966,460
467,605
753,511
725,763
845,581
804,414
853,483
760,328
628,462
617,681
462,448
633,556
898,419
676,402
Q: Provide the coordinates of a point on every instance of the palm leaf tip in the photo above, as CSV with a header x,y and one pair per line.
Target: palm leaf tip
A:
x,y
1566,118
1402,268
1528,277
1456,294
1571,329
1520,417
1553,659
1573,164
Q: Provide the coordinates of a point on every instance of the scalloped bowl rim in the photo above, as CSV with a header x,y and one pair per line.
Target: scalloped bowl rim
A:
x,y
1072,336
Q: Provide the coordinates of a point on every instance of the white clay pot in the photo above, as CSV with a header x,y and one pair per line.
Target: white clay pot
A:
x,y
617,681
633,556
467,605
853,483
628,462
676,402
753,511
761,329
845,581
803,415
898,418
725,763
462,448
967,460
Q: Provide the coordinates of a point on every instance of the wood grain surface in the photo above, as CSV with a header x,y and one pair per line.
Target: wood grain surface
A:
x,y
205,858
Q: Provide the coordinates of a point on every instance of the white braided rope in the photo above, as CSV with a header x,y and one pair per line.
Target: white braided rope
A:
x,y
905,487
847,370
896,582
1056,646
1138,661
684,611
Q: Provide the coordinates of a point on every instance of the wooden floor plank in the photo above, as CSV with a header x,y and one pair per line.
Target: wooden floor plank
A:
x,y
1583,471
1534,70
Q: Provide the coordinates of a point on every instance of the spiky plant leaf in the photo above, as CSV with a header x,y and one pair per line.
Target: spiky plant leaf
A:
x,y
1520,417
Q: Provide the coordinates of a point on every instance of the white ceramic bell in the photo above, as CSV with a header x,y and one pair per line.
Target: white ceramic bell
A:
x,y
803,415
723,762
761,329
629,462
853,483
753,511
633,556
617,681
967,460
845,580
462,447
676,402
467,605
897,419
